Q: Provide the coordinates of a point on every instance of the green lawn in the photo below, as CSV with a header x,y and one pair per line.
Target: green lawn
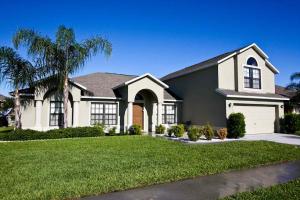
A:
x,y
67,168
287,191
6,129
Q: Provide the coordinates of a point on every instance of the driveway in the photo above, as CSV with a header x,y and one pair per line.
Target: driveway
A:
x,y
274,137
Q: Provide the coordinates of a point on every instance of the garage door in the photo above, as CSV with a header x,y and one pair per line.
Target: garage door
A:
x,y
259,119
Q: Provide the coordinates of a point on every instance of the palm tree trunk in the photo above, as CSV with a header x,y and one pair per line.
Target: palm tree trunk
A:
x,y
18,123
66,98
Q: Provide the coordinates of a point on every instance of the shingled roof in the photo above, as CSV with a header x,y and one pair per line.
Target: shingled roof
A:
x,y
101,84
2,97
284,92
214,62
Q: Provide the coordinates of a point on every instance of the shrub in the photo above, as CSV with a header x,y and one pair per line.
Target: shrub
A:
x,y
236,125
194,133
222,133
28,134
160,129
135,130
112,131
170,131
178,130
291,123
207,131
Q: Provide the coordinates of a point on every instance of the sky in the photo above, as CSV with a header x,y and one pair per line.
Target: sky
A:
x,y
162,36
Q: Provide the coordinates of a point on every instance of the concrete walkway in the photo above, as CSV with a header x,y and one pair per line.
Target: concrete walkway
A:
x,y
213,186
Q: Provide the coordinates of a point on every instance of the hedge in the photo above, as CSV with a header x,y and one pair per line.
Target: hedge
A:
x,y
290,123
28,134
236,125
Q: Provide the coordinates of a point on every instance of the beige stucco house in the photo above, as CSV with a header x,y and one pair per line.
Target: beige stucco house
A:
x,y
242,80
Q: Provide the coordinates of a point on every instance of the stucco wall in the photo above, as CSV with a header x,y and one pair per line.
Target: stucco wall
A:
x,y
28,115
231,74
201,104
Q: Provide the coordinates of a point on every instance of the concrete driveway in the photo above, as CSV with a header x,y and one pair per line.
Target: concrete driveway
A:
x,y
274,137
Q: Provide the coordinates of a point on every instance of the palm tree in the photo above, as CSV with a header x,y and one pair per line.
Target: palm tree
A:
x,y
62,57
295,86
18,73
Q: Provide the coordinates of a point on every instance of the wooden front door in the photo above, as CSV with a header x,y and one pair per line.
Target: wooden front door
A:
x,y
138,115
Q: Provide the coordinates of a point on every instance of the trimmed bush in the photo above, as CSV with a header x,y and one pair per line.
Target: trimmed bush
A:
x,y
135,130
160,129
112,131
194,133
236,126
222,133
291,123
28,134
3,121
207,131
178,130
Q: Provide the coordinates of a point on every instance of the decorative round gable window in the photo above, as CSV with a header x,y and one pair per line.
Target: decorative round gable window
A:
x,y
252,62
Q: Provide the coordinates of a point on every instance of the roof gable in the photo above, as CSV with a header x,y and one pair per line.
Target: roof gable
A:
x,y
219,59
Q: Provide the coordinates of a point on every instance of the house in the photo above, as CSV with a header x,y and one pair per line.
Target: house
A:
x,y
242,80
291,106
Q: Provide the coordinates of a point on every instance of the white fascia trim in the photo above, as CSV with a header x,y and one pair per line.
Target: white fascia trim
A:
x,y
272,66
142,76
251,97
257,48
93,97
173,100
257,97
79,85
227,57
24,94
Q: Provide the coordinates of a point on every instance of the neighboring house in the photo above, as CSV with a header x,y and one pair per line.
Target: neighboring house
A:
x,y
239,81
289,106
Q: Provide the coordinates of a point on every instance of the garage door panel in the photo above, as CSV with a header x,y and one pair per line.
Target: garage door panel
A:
x,y
259,119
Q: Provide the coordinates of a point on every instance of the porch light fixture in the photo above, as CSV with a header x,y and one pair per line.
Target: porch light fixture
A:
x,y
281,106
230,104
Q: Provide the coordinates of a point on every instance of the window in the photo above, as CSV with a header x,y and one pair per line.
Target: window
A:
x,y
251,61
104,113
169,114
252,78
56,113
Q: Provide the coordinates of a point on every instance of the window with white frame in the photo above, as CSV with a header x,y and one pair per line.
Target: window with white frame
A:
x,y
56,113
104,113
252,75
168,114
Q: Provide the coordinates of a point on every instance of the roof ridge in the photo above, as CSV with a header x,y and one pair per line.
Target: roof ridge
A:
x,y
103,73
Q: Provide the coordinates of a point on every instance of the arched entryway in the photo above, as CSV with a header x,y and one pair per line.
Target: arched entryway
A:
x,y
144,109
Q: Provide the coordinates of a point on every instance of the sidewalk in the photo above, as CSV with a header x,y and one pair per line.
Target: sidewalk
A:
x,y
213,186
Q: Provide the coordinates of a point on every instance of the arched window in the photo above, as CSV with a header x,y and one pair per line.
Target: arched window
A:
x,y
251,61
252,75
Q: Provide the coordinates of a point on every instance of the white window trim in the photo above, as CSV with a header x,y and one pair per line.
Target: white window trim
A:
x,y
176,112
103,102
261,75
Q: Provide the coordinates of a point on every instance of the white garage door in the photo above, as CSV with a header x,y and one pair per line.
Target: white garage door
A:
x,y
259,119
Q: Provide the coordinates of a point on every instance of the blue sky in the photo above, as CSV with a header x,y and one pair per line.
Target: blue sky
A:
x,y
163,36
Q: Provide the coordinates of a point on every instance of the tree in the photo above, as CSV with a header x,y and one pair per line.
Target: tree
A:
x,y
295,86
62,57
18,73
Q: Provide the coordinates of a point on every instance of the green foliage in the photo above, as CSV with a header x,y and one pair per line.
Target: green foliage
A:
x,y
112,131
222,133
160,129
8,103
178,130
28,134
207,131
194,133
135,130
291,123
85,166
236,126
3,121
170,131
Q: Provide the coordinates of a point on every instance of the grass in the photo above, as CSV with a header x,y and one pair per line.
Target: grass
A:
x,y
4,129
290,190
70,168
